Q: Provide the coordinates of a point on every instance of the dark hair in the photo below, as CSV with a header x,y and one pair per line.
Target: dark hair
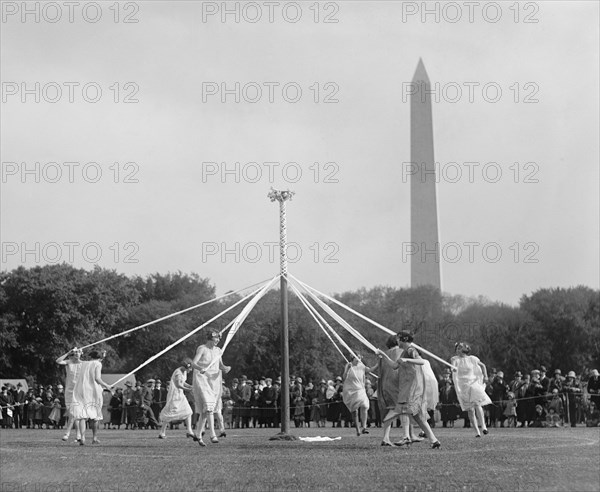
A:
x,y
464,347
97,354
405,336
212,333
187,363
391,342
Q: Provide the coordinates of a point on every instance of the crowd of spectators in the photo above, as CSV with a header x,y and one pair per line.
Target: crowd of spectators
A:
x,y
533,400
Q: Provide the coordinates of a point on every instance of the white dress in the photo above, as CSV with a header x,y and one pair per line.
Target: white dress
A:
x,y
87,394
207,387
468,382
177,406
354,393
72,372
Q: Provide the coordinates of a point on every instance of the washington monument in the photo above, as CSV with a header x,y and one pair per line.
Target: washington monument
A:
x,y
425,262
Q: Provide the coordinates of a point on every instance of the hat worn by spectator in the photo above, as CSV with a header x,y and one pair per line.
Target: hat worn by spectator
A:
x,y
128,383
298,380
500,374
158,381
278,380
518,374
244,378
138,383
557,371
571,374
235,380
150,381
322,381
535,371
446,371
338,378
543,368
19,384
595,372
60,386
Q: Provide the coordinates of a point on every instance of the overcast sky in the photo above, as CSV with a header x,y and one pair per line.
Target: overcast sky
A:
x,y
515,133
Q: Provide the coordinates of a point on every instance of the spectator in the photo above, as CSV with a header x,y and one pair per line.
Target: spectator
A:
x,y
539,419
544,380
255,398
116,408
159,398
269,396
309,391
499,392
30,404
227,408
236,416
572,390
129,414
510,410
448,401
557,381
556,404
553,419
7,401
593,387
37,409
245,393
299,411
525,406
592,418
533,395
55,414
19,412
147,398
319,414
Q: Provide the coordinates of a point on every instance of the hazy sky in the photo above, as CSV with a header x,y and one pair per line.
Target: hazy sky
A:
x,y
136,131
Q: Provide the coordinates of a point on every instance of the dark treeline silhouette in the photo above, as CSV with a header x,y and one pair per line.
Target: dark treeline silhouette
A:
x,y
45,311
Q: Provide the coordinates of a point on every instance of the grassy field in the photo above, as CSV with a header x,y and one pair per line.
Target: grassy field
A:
x,y
505,460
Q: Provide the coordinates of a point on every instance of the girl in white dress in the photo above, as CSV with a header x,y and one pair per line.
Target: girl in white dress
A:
x,y
207,384
87,395
354,393
177,407
469,375
72,362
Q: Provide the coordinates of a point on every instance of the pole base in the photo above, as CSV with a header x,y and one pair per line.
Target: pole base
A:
x,y
283,436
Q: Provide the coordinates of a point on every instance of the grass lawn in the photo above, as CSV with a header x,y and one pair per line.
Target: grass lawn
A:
x,y
505,460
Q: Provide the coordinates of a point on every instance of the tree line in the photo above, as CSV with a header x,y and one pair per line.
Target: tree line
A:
x,y
46,310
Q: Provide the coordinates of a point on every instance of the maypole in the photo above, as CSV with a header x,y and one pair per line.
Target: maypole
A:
x,y
282,196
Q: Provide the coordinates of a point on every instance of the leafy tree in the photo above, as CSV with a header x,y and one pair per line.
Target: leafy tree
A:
x,y
570,320
48,310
